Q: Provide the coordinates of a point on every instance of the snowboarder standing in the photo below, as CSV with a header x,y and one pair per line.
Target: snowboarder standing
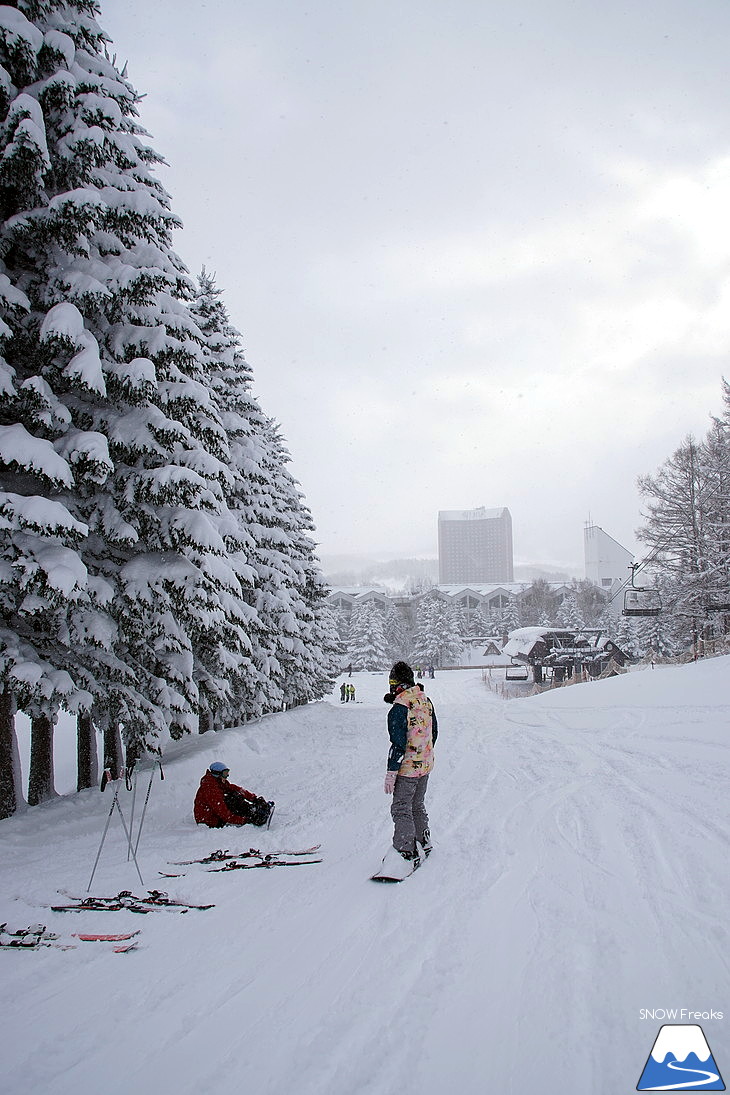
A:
x,y
413,729
218,802
343,692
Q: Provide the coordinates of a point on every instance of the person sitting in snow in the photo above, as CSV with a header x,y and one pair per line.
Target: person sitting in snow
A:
x,y
413,729
219,803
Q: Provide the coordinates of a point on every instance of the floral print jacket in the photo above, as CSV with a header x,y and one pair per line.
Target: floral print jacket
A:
x,y
413,729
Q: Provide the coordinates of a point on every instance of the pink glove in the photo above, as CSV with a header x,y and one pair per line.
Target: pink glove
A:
x,y
389,785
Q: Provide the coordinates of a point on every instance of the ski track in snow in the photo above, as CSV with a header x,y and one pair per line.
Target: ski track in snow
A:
x,y
579,874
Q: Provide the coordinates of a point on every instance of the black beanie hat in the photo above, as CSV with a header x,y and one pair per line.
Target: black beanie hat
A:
x,y
403,674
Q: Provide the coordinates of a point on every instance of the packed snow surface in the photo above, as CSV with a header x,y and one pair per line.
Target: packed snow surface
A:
x,y
579,877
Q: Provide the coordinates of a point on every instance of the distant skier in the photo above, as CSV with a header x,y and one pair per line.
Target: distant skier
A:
x,y
352,693
413,729
219,803
343,693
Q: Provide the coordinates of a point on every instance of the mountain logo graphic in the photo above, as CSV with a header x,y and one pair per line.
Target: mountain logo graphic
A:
x,y
680,1060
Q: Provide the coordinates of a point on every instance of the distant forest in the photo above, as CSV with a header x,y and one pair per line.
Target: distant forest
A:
x,y
412,575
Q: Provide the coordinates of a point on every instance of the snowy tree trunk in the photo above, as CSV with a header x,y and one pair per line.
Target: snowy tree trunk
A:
x,y
87,765
10,792
40,779
205,720
113,756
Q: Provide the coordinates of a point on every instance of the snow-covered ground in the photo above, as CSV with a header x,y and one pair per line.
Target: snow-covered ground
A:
x,y
580,875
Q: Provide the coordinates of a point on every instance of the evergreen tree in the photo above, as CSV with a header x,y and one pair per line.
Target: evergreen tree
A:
x,y
481,625
397,635
437,641
426,638
538,602
128,587
367,647
591,602
510,617
569,615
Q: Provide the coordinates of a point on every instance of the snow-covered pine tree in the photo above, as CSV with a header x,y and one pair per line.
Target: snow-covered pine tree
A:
x,y
625,633
305,657
480,625
426,638
569,615
538,602
367,649
105,396
398,639
510,616
437,641
231,662
653,635
454,630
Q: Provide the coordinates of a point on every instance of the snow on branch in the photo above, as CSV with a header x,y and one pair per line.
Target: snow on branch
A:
x,y
17,32
33,454
87,450
44,516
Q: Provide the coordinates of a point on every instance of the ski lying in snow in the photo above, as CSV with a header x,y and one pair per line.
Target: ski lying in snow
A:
x,y
265,862
37,930
126,900
31,943
99,938
222,854
31,938
36,936
395,868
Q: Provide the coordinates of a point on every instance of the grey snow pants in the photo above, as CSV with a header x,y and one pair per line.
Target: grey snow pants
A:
x,y
409,812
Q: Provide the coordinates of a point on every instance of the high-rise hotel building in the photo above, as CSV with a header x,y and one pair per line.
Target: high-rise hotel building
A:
x,y
475,545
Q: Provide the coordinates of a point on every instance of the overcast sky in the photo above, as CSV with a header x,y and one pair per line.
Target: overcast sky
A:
x,y
479,251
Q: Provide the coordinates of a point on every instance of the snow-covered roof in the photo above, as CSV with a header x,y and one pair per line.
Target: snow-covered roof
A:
x,y
522,640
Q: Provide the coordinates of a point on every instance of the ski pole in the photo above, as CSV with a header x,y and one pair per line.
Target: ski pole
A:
x,y
103,838
131,816
129,839
146,800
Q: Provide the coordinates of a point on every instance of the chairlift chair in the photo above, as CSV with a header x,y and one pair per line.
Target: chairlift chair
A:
x,y
516,672
640,600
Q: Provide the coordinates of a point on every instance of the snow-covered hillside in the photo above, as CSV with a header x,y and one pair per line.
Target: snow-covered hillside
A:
x,y
579,876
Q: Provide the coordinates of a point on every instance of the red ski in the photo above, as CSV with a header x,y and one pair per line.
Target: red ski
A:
x,y
96,938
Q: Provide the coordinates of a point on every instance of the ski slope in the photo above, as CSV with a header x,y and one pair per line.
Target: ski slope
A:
x,y
579,876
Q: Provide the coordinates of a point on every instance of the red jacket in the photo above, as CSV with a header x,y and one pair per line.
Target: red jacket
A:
x,y
210,807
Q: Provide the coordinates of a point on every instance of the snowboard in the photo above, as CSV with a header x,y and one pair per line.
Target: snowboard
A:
x,y
395,868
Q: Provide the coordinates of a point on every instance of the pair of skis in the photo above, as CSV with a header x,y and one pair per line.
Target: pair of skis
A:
x,y
127,900
231,860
